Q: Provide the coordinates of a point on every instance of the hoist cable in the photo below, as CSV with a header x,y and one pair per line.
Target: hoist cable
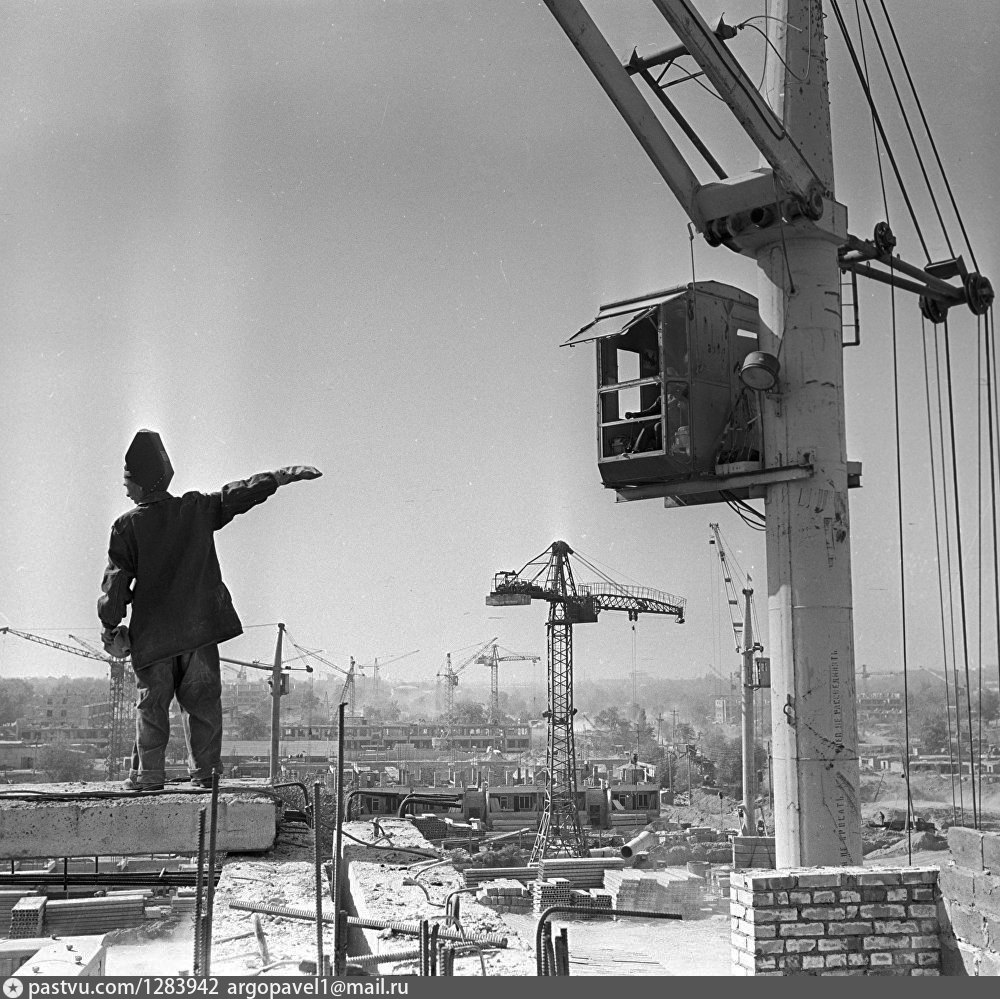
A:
x,y
930,136
961,570
909,129
878,145
991,390
902,574
979,560
878,121
937,552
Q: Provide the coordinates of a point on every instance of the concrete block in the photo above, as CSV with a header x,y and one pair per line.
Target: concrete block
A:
x,y
992,932
957,885
989,964
991,852
140,824
967,925
987,892
77,957
966,847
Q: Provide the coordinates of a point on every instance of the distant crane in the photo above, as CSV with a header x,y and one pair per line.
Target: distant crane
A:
x,y
549,577
347,692
121,695
451,674
375,666
750,679
492,658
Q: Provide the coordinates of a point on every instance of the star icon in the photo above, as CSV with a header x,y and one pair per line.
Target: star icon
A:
x,y
13,987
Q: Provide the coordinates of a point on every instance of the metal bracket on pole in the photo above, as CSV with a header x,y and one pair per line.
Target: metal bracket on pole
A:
x,y
760,123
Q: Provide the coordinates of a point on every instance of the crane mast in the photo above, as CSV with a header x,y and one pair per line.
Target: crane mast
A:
x,y
492,658
549,577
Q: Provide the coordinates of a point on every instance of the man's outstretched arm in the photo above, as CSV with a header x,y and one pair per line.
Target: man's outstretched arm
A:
x,y
240,496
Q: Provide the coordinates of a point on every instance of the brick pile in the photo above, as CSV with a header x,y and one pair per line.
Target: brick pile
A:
x,y
505,895
680,893
835,921
753,851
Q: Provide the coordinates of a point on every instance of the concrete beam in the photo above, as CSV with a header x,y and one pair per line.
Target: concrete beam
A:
x,y
37,826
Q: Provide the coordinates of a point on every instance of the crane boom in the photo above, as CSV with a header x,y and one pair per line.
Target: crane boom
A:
x,y
492,658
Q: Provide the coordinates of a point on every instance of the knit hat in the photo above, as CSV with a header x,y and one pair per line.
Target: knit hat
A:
x,y
147,463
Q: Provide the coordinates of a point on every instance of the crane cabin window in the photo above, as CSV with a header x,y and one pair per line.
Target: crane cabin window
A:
x,y
630,387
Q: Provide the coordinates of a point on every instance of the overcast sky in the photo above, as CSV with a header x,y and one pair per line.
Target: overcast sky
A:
x,y
354,234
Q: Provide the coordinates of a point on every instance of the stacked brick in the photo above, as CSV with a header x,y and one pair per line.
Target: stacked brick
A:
x,y
970,904
753,851
835,921
656,891
505,895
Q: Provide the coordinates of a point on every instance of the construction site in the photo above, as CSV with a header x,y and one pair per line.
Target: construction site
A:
x,y
363,823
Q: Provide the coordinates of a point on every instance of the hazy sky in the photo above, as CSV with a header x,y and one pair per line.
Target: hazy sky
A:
x,y
354,234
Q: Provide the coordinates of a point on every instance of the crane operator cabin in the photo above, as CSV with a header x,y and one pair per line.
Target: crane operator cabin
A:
x,y
671,406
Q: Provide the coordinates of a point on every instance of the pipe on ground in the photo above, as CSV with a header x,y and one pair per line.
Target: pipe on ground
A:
x,y
642,843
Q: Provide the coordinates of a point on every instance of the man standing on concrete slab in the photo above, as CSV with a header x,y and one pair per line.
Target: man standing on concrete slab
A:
x,y
162,560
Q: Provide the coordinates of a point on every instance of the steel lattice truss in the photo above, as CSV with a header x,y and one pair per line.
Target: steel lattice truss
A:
x,y
561,821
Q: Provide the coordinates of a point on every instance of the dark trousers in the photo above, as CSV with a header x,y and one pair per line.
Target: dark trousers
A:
x,y
195,680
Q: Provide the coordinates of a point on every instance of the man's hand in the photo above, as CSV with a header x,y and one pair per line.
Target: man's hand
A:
x,y
115,641
295,473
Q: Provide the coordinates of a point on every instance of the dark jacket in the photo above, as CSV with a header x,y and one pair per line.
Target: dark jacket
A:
x,y
162,560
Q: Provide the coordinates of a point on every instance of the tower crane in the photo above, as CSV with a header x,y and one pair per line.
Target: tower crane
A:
x,y
375,666
451,674
750,679
121,694
549,577
347,693
492,658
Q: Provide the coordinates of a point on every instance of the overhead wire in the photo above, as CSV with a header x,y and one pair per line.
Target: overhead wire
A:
x,y
930,135
937,550
942,388
961,566
909,128
848,41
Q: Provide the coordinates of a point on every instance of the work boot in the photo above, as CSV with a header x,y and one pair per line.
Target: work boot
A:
x,y
134,784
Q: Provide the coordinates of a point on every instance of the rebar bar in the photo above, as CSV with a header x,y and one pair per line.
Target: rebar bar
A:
x,y
199,887
318,865
365,923
434,949
339,937
206,946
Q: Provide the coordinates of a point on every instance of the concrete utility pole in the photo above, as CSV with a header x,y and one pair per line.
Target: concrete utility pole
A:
x,y
786,218
747,712
811,632
276,708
